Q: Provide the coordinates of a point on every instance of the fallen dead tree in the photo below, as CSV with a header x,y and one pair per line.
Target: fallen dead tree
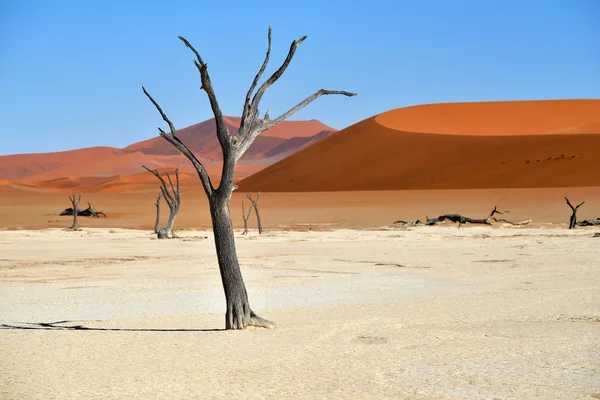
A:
x,y
464,220
461,220
88,212
589,222
409,223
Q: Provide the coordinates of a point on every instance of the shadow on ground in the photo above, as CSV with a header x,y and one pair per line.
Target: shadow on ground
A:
x,y
61,326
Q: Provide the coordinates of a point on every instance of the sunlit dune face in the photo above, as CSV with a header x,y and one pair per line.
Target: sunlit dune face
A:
x,y
498,118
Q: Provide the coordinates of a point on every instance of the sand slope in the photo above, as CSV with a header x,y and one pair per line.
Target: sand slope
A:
x,y
450,146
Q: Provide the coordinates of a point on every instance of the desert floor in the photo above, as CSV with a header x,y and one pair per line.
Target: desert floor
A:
x,y
39,209
423,313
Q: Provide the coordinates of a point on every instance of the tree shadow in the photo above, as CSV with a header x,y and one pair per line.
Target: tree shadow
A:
x,y
59,326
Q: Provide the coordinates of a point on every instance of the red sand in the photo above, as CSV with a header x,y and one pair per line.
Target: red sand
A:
x,y
554,147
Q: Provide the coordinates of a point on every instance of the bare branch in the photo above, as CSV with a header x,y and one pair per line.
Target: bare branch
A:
x,y
170,182
177,179
277,74
168,198
571,205
255,82
249,138
222,131
162,114
183,149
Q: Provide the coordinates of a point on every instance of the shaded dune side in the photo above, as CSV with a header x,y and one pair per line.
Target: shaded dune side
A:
x,y
369,156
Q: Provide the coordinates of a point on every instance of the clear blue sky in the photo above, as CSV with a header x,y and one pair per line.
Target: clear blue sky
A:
x,y
71,71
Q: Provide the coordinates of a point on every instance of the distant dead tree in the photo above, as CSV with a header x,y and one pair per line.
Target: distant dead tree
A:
x,y
245,217
239,314
573,219
255,206
157,204
75,205
173,199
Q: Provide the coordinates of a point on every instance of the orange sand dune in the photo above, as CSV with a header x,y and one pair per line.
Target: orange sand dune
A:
x,y
137,182
497,118
111,165
71,169
20,166
383,153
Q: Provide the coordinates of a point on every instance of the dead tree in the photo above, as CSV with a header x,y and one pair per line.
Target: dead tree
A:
x,y
75,205
589,222
464,220
157,204
573,219
238,313
408,223
173,199
255,206
245,217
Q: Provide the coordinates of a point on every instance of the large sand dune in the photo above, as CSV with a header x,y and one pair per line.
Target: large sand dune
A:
x,y
450,146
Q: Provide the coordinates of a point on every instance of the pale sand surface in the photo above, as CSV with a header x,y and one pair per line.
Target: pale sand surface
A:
x,y
425,313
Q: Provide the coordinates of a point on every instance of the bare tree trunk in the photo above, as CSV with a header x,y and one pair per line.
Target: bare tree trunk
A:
x,y
157,204
255,205
238,314
75,205
245,217
573,219
167,231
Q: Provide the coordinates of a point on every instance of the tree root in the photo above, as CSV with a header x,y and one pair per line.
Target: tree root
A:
x,y
259,322
164,234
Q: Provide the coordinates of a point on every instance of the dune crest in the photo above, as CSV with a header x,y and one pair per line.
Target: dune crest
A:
x,y
500,118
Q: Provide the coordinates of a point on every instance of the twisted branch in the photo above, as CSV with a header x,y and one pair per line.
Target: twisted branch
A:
x,y
183,149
